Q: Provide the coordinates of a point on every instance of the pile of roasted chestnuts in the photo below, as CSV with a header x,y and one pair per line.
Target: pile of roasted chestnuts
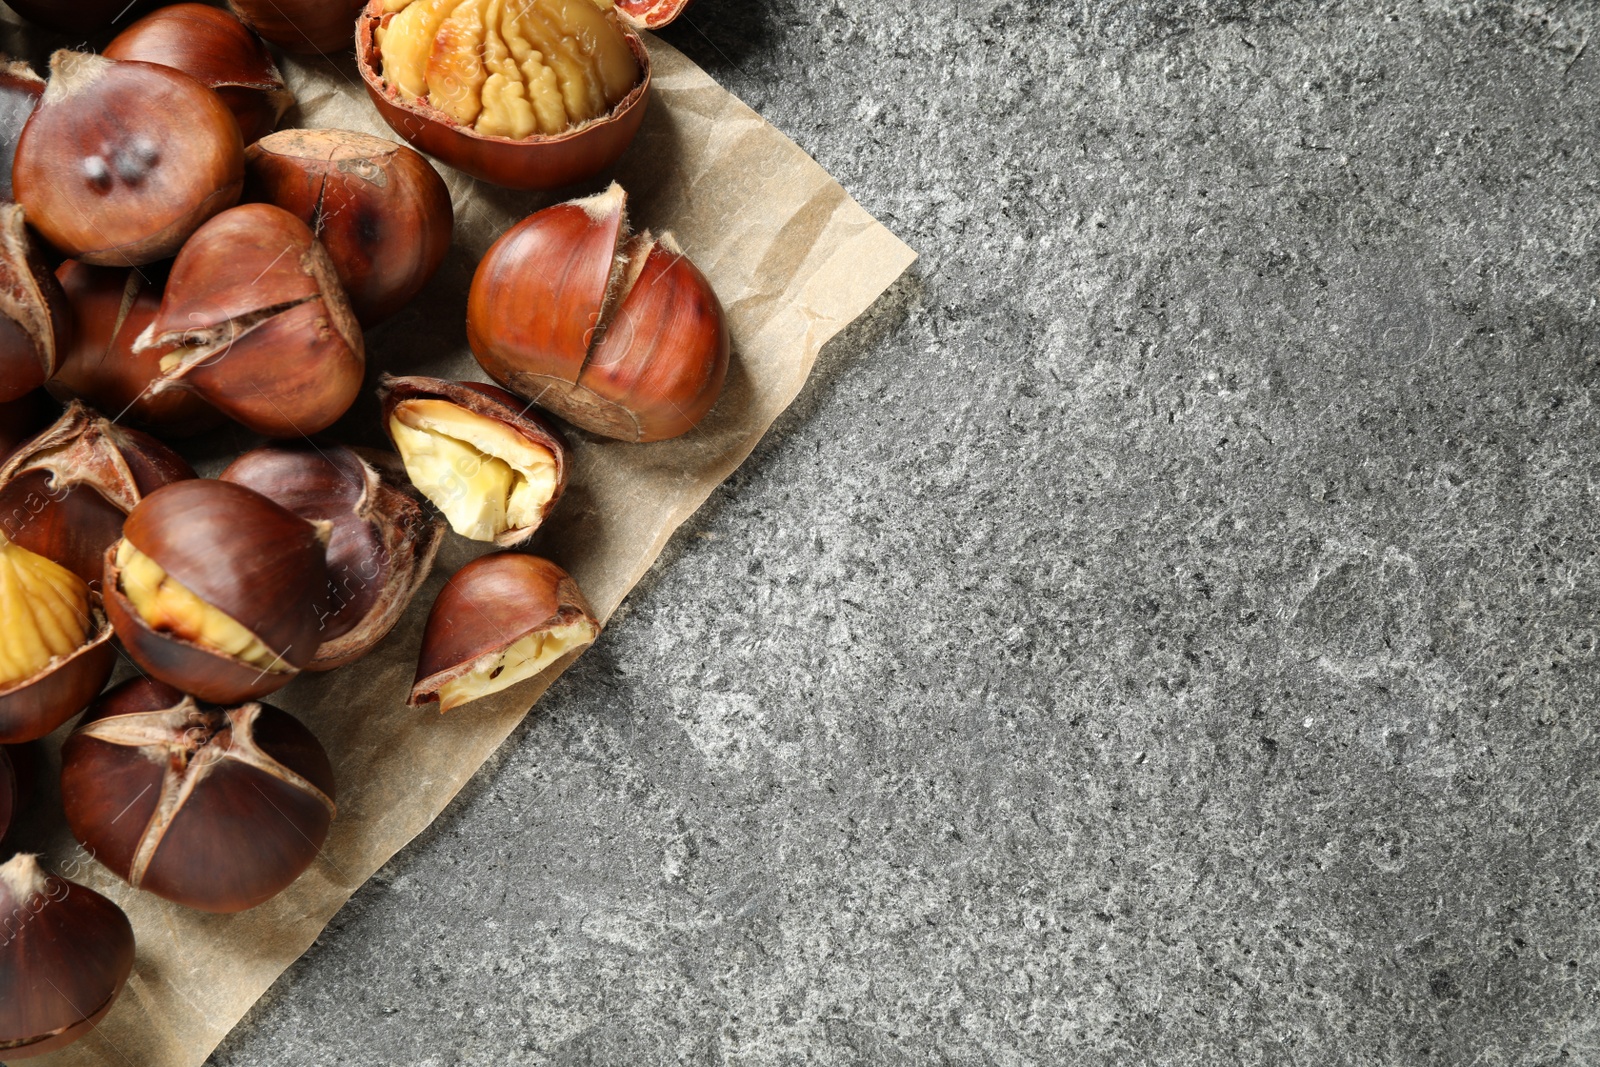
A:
x,y
170,263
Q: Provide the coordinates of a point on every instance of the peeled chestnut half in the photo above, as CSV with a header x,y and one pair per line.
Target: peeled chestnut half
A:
x,y
122,161
619,335
66,954
500,620
66,492
216,50
494,468
217,590
536,94
35,324
257,324
215,808
380,209
55,644
381,542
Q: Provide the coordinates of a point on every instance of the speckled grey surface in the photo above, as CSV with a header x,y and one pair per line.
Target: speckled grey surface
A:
x,y
1164,631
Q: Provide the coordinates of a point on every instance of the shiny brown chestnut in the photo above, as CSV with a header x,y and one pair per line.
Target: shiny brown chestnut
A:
x,y
35,323
111,306
306,26
493,467
66,492
214,808
216,50
621,336
217,590
537,160
381,545
500,620
381,210
20,90
258,325
66,954
55,644
122,161
24,417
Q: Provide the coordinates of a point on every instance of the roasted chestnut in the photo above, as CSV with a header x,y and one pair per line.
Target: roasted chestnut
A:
x,y
35,324
310,26
111,306
20,89
381,543
501,619
380,209
258,325
121,162
216,50
55,645
217,590
492,466
22,418
619,335
66,492
214,808
535,96
66,954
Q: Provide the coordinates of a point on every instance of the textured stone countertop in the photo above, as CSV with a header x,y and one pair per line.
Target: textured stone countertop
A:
x,y
1165,629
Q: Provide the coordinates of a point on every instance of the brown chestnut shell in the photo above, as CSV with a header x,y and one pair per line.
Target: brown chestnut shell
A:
x,y
117,189
382,542
486,607
35,321
215,808
380,209
545,162
306,26
24,417
67,954
217,50
20,90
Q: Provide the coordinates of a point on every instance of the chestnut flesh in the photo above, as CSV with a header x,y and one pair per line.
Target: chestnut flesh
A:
x,y
67,953
382,542
621,336
381,210
215,808
500,620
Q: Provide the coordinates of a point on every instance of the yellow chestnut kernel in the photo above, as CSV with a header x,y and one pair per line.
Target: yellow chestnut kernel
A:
x,y
44,613
165,604
518,662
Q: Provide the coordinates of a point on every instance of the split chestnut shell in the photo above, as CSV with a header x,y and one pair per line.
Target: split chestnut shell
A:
x,y
35,321
215,808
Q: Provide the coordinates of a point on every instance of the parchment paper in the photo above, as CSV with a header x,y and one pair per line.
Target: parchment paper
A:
x,y
794,260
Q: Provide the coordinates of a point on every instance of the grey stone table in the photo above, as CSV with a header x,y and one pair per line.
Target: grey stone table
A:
x,y
1164,631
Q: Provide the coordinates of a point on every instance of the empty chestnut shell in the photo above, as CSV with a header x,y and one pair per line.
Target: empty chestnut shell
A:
x,y
66,492
217,590
621,336
214,808
121,162
258,325
68,952
20,89
380,209
111,306
35,323
540,161
216,50
501,619
308,26
381,545
492,466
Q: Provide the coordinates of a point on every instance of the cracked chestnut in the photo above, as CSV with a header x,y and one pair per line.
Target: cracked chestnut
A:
x,y
381,210
217,590
381,544
500,620
66,955
122,161
35,321
216,50
619,335
215,808
494,468
256,323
